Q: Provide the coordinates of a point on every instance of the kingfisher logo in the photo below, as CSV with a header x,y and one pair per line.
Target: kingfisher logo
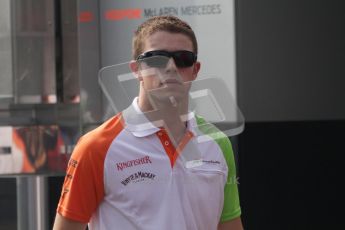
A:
x,y
137,177
128,164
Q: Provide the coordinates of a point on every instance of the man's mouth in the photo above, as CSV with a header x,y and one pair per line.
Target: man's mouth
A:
x,y
171,81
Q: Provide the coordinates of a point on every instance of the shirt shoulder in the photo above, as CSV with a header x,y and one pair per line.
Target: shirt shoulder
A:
x,y
101,137
83,188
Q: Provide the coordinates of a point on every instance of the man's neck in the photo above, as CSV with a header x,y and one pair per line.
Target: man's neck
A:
x,y
169,114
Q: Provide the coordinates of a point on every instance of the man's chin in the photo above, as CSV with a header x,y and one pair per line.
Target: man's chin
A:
x,y
168,98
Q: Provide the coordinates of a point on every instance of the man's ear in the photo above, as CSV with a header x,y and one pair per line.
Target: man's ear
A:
x,y
196,69
134,66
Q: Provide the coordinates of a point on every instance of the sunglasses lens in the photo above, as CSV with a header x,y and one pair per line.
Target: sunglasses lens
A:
x,y
159,59
183,59
156,61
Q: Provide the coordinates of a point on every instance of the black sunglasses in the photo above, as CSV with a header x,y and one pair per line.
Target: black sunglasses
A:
x,y
182,58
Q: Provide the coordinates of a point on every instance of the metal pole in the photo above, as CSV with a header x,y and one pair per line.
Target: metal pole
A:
x,y
32,211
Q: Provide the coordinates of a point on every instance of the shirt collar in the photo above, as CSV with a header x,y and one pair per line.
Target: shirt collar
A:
x,y
137,123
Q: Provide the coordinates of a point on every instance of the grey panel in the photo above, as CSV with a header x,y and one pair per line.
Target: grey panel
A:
x,y
291,60
91,97
70,65
6,87
34,51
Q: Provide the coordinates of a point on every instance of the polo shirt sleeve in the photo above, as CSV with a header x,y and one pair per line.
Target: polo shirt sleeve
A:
x,y
83,187
231,208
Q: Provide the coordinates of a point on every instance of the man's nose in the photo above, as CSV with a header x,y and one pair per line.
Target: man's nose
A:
x,y
170,71
170,66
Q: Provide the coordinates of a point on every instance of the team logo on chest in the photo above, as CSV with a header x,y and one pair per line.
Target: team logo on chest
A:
x,y
128,164
137,177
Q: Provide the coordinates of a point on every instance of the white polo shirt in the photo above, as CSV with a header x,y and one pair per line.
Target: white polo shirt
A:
x,y
128,178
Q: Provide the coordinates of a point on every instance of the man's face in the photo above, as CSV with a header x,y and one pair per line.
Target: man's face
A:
x,y
168,81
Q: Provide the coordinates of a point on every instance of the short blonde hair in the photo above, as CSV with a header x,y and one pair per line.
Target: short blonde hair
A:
x,y
167,23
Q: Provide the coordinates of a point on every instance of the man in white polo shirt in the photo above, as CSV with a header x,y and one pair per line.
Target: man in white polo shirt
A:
x,y
144,168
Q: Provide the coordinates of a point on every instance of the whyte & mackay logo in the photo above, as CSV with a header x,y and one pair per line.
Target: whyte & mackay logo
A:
x,y
127,164
137,177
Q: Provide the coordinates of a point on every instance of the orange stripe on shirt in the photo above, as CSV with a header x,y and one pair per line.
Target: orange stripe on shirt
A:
x,y
83,188
169,148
